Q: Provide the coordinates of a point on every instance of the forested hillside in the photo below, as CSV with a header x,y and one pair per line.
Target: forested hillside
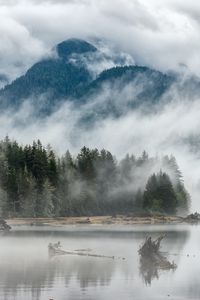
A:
x,y
69,75
35,182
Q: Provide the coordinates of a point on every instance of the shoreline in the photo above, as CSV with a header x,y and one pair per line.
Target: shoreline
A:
x,y
99,220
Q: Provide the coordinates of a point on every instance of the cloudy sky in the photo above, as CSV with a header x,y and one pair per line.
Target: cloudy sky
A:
x,y
161,34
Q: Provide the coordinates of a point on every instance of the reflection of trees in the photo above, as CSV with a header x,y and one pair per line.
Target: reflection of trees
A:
x,y
39,274
89,271
25,269
98,273
20,274
31,271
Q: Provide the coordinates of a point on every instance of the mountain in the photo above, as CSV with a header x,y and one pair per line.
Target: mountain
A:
x,y
67,76
56,76
73,46
118,90
150,83
53,76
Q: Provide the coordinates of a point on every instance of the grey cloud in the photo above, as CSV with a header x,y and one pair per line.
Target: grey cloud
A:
x,y
133,13
160,35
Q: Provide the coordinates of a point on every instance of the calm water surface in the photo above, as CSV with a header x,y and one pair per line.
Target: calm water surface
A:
x,y
27,271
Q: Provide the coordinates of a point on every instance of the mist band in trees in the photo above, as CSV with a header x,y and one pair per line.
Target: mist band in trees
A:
x,y
35,182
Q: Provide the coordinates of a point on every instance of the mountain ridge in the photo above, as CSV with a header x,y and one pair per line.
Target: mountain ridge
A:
x,y
62,79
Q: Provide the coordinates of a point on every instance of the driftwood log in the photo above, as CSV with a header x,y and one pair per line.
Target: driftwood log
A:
x,y
4,226
55,249
193,218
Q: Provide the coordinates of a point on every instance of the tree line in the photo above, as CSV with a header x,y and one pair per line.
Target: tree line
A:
x,y
35,182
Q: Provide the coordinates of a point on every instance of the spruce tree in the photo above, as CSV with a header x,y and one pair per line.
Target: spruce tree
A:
x,y
159,195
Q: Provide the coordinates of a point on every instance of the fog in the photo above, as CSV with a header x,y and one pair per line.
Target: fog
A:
x,y
170,128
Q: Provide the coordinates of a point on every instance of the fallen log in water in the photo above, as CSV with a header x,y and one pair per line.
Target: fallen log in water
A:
x,y
54,250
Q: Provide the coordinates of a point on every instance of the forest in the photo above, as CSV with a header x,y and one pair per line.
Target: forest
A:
x,y
36,182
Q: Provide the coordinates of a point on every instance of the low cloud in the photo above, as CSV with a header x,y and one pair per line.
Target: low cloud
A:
x,y
172,128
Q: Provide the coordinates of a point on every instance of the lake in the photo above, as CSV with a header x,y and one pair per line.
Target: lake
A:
x,y
28,272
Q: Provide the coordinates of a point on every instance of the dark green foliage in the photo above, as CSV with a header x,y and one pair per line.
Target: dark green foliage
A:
x,y
182,195
159,194
86,163
36,183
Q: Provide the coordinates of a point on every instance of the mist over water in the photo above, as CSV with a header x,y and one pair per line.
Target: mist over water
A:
x,y
27,272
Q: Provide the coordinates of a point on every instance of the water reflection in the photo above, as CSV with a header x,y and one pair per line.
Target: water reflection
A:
x,y
27,272
150,270
40,274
